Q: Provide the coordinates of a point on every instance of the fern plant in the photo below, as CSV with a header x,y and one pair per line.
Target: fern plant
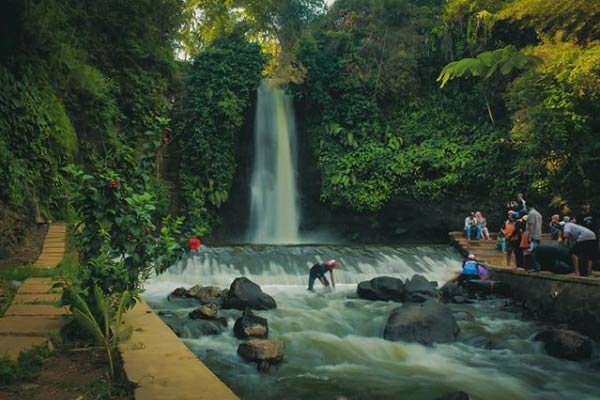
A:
x,y
102,316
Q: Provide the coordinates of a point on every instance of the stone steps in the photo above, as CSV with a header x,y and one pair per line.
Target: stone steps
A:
x,y
53,249
27,323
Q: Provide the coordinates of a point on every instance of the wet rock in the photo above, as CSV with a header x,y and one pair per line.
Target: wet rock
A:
x,y
263,366
417,298
206,294
459,299
245,293
454,396
207,311
382,288
250,326
567,344
270,350
418,285
202,327
451,290
426,323
179,292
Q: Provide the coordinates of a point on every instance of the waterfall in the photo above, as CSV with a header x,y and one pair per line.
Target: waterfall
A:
x,y
273,202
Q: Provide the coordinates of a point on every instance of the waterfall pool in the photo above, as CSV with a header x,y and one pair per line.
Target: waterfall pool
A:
x,y
334,345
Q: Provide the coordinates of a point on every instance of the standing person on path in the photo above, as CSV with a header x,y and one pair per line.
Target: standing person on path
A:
x,y
534,229
583,247
319,270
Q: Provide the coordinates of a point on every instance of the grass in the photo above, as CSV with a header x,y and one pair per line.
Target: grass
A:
x,y
26,368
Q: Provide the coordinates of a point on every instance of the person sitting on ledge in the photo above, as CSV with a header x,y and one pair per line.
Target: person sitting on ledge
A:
x,y
319,270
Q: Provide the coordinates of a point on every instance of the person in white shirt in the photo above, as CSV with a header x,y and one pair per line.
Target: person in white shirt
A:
x,y
583,246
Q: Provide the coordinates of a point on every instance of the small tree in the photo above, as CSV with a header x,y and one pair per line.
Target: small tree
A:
x,y
121,240
101,316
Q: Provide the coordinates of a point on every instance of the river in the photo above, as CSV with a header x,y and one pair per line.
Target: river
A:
x,y
333,339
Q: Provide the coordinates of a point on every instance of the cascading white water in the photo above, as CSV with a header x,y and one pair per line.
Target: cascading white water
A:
x,y
274,215
334,346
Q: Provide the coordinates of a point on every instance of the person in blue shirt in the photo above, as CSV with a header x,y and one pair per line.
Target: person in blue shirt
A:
x,y
319,270
472,269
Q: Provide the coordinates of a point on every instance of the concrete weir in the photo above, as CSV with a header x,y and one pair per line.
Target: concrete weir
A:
x,y
560,299
161,366
556,298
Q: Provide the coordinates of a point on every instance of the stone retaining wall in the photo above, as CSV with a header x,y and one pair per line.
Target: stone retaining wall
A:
x,y
556,298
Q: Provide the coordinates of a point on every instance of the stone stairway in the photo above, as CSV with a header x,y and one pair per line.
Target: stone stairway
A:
x,y
484,250
32,316
54,246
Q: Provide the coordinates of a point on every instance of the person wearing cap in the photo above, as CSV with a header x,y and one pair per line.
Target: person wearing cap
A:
x,y
471,269
319,270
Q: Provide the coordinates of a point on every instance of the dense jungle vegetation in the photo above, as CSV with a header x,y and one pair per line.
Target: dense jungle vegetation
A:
x,y
427,100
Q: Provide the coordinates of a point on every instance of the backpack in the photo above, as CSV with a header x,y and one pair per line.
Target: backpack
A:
x,y
524,243
509,229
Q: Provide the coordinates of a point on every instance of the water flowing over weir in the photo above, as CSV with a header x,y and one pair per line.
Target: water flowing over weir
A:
x,y
273,202
334,344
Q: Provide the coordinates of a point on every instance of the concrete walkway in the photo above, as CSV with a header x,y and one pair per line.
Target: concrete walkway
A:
x,y
162,366
54,246
32,317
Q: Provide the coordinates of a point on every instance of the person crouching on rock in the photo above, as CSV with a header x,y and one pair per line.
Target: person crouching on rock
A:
x,y
471,270
319,270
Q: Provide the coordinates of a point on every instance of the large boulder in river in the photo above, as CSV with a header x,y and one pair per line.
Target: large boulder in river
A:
x,y
382,288
206,294
418,289
564,343
245,293
270,350
251,326
427,323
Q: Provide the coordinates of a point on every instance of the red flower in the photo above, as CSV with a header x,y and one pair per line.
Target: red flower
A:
x,y
113,184
194,243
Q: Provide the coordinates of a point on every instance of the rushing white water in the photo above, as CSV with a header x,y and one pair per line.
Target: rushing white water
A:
x,y
273,201
334,344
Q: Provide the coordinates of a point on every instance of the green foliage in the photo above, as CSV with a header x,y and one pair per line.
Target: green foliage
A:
x,y
101,316
504,61
568,20
36,138
376,133
26,368
77,76
555,119
220,87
